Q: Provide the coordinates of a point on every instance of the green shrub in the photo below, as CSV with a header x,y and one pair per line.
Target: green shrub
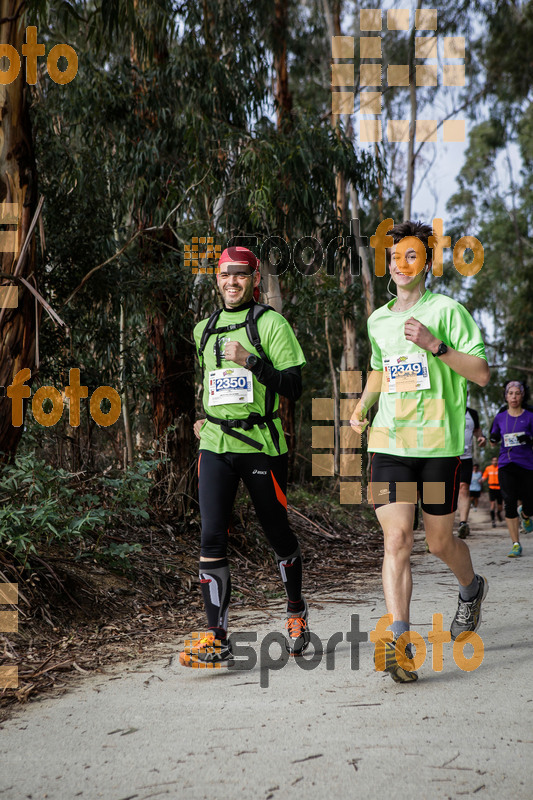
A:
x,y
40,505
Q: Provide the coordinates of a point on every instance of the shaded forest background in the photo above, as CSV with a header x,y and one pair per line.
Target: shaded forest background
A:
x,y
213,118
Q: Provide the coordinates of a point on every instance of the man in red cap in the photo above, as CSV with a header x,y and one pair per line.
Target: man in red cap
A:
x,y
249,356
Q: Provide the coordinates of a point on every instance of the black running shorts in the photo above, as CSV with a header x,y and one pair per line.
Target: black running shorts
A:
x,y
398,479
467,465
496,494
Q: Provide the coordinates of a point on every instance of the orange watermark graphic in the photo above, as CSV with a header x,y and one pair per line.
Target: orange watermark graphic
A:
x,y
74,392
9,215
371,74
346,246
212,649
323,438
437,242
349,442
273,654
201,248
31,50
437,637
8,624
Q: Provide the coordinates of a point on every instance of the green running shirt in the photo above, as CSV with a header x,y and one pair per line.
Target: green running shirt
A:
x,y
426,422
282,348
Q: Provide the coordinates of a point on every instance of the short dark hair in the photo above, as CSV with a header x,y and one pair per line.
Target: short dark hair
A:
x,y
411,228
476,465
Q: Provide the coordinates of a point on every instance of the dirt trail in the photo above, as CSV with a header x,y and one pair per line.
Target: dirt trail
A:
x,y
154,730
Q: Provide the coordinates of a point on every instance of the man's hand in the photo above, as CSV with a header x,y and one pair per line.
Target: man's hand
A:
x,y
357,421
198,426
234,351
482,440
418,334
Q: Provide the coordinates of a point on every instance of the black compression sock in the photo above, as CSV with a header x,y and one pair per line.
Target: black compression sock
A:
x,y
220,633
291,575
216,590
294,606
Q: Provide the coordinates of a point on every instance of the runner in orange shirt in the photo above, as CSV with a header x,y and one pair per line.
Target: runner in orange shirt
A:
x,y
495,493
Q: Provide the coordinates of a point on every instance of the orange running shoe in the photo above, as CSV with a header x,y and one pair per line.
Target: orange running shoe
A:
x,y
299,636
203,651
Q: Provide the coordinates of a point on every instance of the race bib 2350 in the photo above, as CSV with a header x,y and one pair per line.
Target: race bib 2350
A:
x,y
230,386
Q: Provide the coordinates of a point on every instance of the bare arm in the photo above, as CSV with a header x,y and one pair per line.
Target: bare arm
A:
x,y
473,368
481,438
370,395
198,426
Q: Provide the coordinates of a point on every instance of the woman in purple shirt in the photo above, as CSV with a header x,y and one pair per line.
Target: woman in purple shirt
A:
x,y
514,427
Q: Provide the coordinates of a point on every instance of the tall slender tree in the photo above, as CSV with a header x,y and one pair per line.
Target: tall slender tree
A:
x,y
18,186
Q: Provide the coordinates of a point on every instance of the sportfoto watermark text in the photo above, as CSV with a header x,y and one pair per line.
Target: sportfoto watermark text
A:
x,y
246,657
308,253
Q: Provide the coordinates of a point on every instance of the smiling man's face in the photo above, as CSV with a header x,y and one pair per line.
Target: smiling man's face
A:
x,y
236,283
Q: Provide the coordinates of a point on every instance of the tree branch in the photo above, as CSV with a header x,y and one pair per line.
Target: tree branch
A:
x,y
452,113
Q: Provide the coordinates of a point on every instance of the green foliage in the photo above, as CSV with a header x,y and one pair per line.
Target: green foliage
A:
x,y
505,45
41,506
117,555
169,128
129,492
499,215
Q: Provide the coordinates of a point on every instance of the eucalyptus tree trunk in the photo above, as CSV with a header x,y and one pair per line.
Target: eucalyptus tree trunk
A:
x,y
128,436
366,272
349,339
283,95
271,291
171,356
18,185
411,156
336,400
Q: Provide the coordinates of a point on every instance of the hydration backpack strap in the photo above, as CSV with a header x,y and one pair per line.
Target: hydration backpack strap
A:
x,y
250,323
257,310
207,332
212,330
228,426
253,315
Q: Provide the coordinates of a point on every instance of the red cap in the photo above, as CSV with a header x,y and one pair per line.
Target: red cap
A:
x,y
240,255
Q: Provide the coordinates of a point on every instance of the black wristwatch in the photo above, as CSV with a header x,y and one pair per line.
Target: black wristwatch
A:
x,y
442,349
251,361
